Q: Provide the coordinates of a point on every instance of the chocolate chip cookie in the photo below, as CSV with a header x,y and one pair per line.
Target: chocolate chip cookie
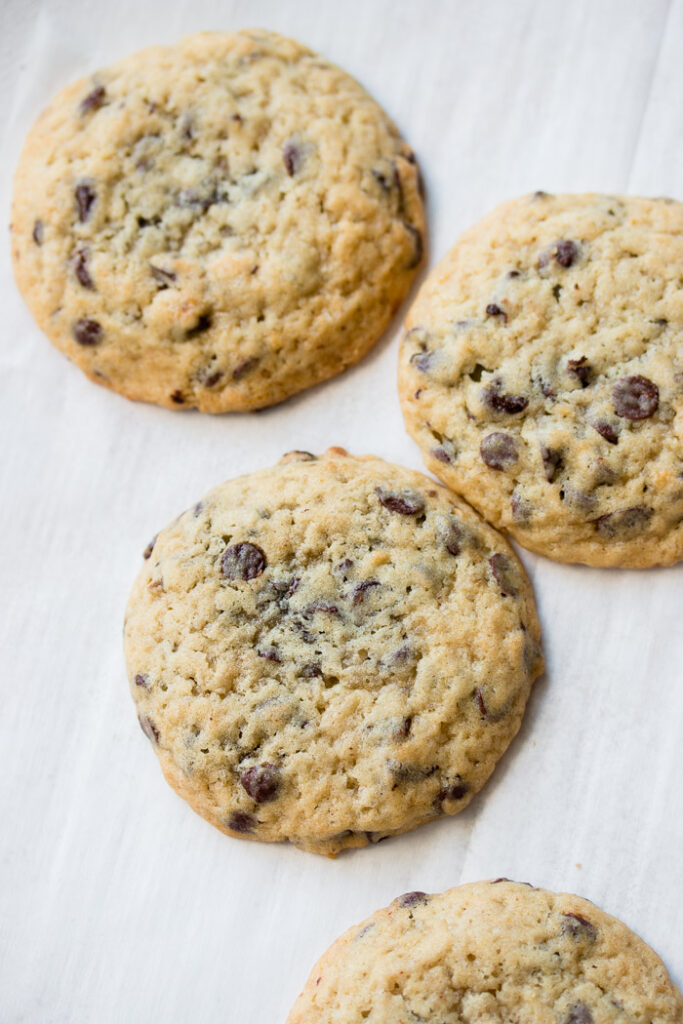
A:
x,y
218,223
542,375
330,651
489,953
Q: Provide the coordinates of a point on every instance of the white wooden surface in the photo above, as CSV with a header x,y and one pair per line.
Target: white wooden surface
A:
x,y
117,903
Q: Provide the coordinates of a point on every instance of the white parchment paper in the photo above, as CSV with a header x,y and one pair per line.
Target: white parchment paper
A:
x,y
117,903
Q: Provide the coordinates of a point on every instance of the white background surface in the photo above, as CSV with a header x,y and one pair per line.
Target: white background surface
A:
x,y
117,903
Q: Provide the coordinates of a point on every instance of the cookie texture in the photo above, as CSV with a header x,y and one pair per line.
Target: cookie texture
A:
x,y
489,953
542,375
218,223
330,651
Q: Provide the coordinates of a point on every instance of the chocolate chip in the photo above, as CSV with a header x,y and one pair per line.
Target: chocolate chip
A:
x,y
607,431
360,589
502,573
411,773
552,462
402,732
211,379
311,670
150,547
93,101
406,504
625,521
241,822
291,157
579,1014
454,790
635,398
178,398
163,277
520,507
494,310
87,332
497,400
243,561
320,606
578,927
403,654
566,253
85,197
411,899
141,680
453,537
384,182
261,781
81,269
422,360
38,233
582,369
498,450
244,367
481,704
442,455
418,245
270,654
149,728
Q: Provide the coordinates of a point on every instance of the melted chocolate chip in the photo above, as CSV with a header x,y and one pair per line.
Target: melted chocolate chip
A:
x,y
270,654
418,245
441,455
141,680
411,899
402,732
311,670
454,790
149,728
38,233
581,369
211,379
520,507
262,782
87,332
150,547
481,704
625,521
241,822
503,573
501,402
85,197
566,253
360,589
243,561
422,360
635,398
291,157
578,927
607,431
243,368
453,537
320,606
552,462
409,504
579,1014
494,310
178,398
163,277
498,450
93,101
81,269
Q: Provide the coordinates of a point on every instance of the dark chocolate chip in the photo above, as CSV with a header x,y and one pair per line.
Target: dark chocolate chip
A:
x,y
241,822
141,680
406,504
93,101
320,606
503,573
243,561
261,781
150,547
513,273
149,728
81,269
211,379
581,369
481,704
243,368
38,232
566,253
494,310
441,455
422,360
311,670
291,157
360,589
498,450
402,732
455,790
85,197
410,773
497,400
270,654
552,462
635,398
520,507
87,332
163,277
178,398
607,431
625,521
418,245
579,1014
411,899
578,927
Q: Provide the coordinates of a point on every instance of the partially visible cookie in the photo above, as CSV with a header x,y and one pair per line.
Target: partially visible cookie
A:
x,y
218,223
542,375
489,953
330,651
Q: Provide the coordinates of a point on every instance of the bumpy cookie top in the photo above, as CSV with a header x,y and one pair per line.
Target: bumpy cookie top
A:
x,y
218,223
489,953
330,651
542,375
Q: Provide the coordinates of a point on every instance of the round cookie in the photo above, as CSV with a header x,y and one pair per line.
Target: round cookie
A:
x,y
485,953
330,651
542,375
218,223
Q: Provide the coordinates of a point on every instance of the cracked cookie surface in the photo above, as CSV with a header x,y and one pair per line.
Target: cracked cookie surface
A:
x,y
542,375
489,953
220,223
330,651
